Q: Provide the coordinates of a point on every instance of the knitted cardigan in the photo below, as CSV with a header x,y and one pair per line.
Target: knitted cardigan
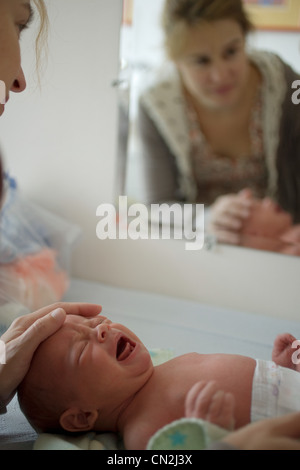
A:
x,y
162,111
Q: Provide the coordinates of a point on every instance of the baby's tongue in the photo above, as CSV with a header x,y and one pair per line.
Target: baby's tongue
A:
x,y
124,349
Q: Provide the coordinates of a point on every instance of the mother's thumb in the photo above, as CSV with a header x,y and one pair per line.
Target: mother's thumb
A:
x,y
59,315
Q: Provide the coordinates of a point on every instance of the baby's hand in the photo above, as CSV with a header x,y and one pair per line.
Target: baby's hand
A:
x,y
207,402
285,346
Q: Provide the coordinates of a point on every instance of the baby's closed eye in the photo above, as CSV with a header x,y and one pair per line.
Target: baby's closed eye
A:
x,y
95,321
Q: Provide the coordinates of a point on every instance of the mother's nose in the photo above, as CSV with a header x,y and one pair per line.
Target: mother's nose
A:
x,y
219,72
19,83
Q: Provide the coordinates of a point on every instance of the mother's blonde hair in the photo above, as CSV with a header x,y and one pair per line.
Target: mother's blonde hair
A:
x,y
179,16
41,39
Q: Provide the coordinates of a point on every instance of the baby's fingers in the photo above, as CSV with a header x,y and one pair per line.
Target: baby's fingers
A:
x,y
206,401
199,398
221,410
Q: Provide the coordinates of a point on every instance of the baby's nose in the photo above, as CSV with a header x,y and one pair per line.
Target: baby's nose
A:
x,y
102,331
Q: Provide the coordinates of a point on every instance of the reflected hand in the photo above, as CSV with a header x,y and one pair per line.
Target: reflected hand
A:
x,y
228,214
24,336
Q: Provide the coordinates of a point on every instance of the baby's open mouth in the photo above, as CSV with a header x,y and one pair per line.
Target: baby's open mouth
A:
x,y
124,348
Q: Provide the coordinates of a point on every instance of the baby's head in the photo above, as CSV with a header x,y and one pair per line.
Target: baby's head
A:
x,y
82,376
267,219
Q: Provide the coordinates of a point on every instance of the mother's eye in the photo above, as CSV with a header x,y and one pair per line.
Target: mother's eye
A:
x,y
202,61
21,27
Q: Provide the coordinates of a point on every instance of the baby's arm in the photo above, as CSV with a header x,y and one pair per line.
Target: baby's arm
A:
x,y
206,401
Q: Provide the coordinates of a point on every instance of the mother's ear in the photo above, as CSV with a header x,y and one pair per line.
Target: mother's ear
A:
x,y
77,420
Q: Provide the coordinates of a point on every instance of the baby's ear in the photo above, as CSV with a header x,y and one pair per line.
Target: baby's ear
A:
x,y
76,420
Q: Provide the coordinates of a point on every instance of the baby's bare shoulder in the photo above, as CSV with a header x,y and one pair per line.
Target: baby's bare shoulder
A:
x,y
189,358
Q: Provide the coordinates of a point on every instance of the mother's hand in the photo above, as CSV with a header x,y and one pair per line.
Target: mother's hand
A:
x,y
227,215
281,433
24,336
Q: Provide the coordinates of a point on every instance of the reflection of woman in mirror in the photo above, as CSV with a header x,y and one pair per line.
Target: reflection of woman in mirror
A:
x,y
218,121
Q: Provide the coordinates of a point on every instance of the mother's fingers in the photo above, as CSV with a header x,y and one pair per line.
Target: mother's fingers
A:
x,y
228,214
234,208
83,309
40,330
22,323
72,308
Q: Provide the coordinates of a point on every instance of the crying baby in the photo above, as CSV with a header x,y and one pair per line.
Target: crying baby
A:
x,y
97,375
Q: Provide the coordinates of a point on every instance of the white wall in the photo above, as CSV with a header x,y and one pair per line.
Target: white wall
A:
x,y
239,279
285,44
60,141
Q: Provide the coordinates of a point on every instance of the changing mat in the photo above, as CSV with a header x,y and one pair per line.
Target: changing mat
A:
x,y
89,441
183,326
178,326
183,434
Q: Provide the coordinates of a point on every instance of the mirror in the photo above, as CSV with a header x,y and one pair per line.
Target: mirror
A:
x,y
141,53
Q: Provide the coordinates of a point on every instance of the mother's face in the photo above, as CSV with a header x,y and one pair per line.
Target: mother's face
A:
x,y
214,66
15,16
